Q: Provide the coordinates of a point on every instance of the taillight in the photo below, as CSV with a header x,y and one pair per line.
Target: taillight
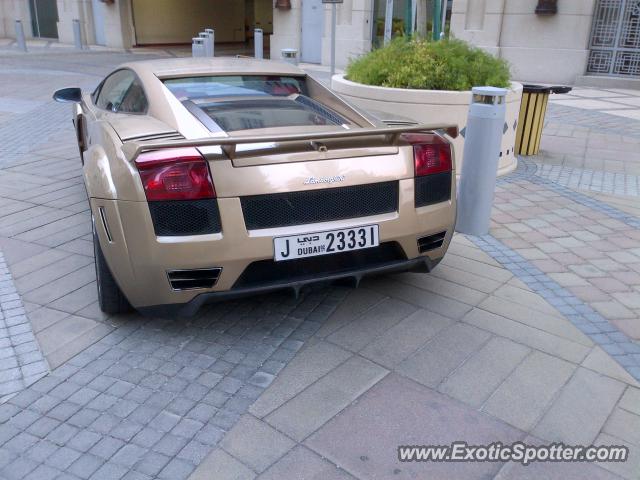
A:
x,y
431,154
175,174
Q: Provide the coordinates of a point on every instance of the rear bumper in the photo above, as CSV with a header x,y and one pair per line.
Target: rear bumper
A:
x,y
140,260
420,264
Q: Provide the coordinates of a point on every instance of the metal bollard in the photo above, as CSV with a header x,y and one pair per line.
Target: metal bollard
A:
x,y
20,40
483,137
77,34
198,47
212,41
258,45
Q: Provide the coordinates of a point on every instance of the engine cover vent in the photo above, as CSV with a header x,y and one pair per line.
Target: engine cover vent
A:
x,y
194,278
431,242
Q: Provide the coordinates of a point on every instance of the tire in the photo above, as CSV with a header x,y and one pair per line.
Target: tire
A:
x,y
110,297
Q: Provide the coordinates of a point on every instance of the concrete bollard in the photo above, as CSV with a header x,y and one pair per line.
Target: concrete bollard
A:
x,y
289,55
212,41
77,34
198,47
20,40
258,43
482,141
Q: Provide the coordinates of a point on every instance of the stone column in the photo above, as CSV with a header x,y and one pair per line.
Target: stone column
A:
x,y
539,48
286,29
547,49
353,31
10,11
118,24
68,10
479,22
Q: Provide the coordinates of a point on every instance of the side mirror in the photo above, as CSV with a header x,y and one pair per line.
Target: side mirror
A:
x,y
73,95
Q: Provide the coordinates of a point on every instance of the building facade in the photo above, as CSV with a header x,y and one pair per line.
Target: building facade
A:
x,y
549,41
593,42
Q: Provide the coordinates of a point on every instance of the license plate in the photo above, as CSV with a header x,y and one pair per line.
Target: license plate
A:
x,y
325,243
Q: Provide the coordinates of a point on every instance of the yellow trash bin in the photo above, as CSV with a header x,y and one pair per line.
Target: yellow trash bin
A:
x,y
531,118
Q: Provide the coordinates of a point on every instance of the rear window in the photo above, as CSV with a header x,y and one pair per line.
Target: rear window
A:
x,y
235,86
243,102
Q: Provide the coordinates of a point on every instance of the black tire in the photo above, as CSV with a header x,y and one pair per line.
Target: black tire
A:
x,y
110,297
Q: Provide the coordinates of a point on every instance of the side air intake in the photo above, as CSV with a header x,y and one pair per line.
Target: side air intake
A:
x,y
195,278
431,242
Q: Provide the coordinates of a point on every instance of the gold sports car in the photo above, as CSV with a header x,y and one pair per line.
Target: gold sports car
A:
x,y
217,178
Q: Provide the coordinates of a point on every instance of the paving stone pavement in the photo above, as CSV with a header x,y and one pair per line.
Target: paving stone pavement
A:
x,y
21,361
584,245
587,179
159,393
468,352
615,342
326,386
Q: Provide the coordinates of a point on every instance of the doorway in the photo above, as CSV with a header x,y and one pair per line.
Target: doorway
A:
x,y
312,23
44,18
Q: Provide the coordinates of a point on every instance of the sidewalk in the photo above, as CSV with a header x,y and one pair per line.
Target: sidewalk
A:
x,y
530,333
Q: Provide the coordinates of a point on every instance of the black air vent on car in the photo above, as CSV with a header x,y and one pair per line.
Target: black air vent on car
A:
x,y
431,242
195,278
324,205
157,136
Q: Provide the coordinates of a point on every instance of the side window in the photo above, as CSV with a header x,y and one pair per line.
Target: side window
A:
x,y
121,92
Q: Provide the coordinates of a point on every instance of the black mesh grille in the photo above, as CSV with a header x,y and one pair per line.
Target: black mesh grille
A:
x,y
269,272
185,217
298,208
432,189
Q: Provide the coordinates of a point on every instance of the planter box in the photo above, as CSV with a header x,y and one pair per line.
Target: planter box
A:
x,y
433,106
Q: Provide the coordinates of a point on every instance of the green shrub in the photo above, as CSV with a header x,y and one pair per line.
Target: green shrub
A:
x,y
416,63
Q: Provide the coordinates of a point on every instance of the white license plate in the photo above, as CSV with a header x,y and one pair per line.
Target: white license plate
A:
x,y
325,243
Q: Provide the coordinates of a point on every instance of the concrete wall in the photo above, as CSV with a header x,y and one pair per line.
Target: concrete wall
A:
x,y
353,32
10,11
68,10
546,49
286,29
171,21
3,31
118,24
118,28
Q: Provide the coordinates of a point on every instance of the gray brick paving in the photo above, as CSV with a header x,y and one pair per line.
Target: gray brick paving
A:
x,y
21,362
50,119
146,398
599,121
616,343
527,170
587,179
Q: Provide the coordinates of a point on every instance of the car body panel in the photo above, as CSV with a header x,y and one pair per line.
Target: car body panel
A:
x,y
236,248
242,163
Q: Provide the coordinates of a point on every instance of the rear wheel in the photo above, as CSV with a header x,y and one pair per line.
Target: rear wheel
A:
x,y
110,297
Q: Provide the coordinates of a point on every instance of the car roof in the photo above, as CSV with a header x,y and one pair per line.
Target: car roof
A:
x,y
181,67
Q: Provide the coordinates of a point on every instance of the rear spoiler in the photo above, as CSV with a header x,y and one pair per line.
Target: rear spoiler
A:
x,y
228,144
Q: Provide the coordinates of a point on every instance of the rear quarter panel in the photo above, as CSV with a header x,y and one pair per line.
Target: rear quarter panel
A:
x,y
107,173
